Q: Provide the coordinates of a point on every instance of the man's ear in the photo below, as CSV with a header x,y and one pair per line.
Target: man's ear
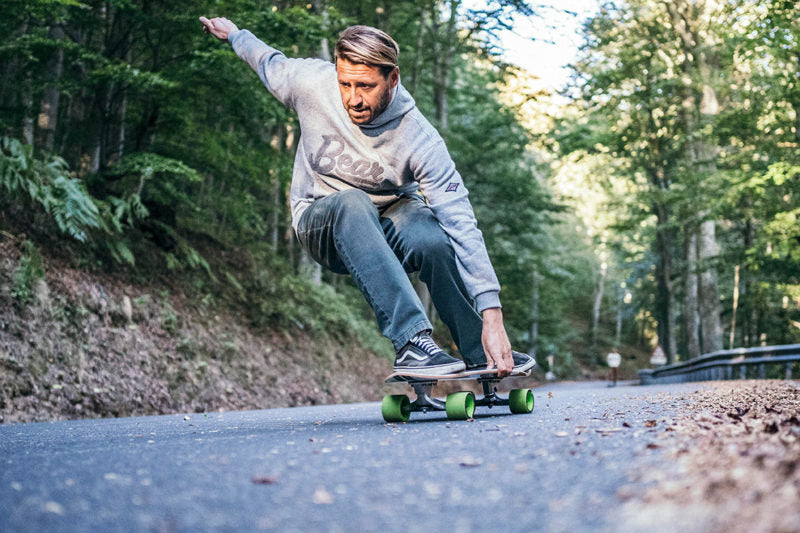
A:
x,y
394,77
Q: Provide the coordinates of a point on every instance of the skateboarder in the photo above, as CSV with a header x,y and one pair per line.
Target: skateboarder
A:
x,y
375,194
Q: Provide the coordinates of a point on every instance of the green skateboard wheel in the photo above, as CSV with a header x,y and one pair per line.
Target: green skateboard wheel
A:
x,y
396,408
460,405
520,401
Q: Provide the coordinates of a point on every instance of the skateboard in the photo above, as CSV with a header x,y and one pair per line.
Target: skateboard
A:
x,y
458,405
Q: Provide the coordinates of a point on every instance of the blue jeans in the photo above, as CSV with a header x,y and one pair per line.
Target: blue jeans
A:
x,y
346,233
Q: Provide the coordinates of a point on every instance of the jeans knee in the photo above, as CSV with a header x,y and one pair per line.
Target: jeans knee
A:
x,y
353,201
433,242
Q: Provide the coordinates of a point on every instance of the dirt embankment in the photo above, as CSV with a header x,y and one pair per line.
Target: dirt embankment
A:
x,y
737,453
89,346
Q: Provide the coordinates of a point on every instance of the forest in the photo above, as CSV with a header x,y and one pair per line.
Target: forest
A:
x,y
654,200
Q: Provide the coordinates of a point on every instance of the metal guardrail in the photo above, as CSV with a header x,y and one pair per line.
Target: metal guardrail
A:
x,y
726,364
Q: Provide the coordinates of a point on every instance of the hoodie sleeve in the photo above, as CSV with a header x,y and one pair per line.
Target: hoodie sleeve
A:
x,y
447,197
278,73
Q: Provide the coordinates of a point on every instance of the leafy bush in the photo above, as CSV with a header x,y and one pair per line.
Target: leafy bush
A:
x,y
277,298
47,183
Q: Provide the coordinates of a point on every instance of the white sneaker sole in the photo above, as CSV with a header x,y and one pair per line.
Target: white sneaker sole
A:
x,y
524,369
440,370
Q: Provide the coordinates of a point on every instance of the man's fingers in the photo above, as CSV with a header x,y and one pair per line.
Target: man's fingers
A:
x,y
503,366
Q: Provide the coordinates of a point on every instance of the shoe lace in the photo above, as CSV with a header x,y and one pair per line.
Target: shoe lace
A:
x,y
426,343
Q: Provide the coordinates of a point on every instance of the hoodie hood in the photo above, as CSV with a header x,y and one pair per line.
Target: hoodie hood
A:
x,y
402,102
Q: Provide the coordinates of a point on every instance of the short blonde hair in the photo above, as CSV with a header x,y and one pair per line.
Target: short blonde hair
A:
x,y
368,46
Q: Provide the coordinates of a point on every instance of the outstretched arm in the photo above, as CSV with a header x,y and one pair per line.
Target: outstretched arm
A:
x,y
219,27
279,74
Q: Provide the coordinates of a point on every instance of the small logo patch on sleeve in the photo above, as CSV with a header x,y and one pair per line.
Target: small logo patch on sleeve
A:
x,y
452,187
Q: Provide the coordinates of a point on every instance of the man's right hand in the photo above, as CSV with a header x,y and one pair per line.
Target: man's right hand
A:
x,y
219,27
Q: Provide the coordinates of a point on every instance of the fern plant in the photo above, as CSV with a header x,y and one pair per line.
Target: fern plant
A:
x,y
48,184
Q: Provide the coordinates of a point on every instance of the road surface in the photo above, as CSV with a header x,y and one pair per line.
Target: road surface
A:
x,y
341,468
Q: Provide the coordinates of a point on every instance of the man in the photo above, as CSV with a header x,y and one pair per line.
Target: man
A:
x,y
613,359
365,155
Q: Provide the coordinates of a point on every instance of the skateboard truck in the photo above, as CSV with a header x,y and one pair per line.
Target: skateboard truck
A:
x,y
425,401
490,397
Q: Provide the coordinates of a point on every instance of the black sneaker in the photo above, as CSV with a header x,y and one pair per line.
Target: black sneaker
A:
x,y
422,356
522,363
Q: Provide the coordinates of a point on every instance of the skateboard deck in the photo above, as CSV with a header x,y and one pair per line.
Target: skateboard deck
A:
x,y
407,377
458,405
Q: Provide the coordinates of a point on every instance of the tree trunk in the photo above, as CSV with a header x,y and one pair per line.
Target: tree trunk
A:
x,y
276,211
324,51
49,107
444,48
735,306
747,303
700,106
27,120
620,307
534,314
416,66
598,300
710,323
690,310
665,299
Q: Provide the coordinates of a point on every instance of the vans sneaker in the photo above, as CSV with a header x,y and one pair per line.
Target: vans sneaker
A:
x,y
522,363
422,356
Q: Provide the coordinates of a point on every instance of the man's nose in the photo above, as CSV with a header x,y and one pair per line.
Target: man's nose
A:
x,y
355,97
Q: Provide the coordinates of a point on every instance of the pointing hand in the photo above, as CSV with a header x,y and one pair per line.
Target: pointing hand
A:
x,y
219,27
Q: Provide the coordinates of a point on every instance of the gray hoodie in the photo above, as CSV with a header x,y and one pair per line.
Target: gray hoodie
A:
x,y
398,153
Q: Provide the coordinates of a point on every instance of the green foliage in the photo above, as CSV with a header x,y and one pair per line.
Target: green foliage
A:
x,y
29,269
276,298
696,103
47,184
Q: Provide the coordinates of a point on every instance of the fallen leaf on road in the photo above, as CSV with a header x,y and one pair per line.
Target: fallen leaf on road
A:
x,y
264,480
650,423
54,507
322,497
470,461
608,430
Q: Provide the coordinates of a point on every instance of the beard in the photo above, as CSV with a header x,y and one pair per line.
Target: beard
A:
x,y
383,102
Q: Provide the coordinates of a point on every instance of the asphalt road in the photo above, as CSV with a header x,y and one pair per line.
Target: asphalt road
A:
x,y
340,468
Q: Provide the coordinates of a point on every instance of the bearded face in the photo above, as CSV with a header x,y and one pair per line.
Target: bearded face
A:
x,y
365,91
